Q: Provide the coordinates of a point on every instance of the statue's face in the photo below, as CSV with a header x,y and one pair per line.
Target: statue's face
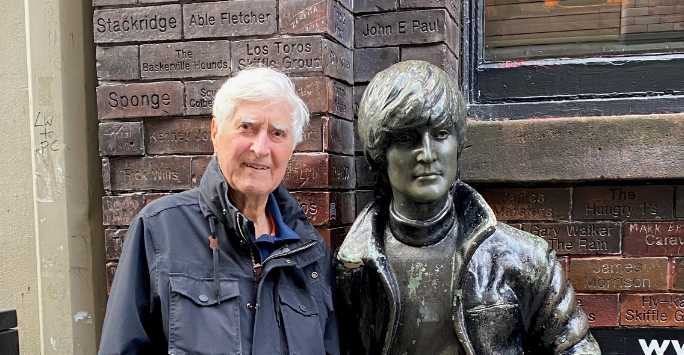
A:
x,y
422,163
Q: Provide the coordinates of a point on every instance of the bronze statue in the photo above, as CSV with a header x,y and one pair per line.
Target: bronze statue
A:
x,y
426,268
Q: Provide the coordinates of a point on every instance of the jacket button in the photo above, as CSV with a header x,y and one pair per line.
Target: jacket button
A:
x,y
314,275
203,298
302,308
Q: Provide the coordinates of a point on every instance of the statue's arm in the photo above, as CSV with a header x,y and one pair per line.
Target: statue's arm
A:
x,y
347,307
559,326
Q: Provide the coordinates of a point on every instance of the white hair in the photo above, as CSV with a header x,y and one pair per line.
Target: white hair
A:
x,y
256,85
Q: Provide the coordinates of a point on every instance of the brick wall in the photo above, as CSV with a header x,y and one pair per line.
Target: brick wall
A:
x,y
622,245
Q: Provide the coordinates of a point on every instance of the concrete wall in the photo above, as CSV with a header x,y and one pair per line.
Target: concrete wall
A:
x,y
50,182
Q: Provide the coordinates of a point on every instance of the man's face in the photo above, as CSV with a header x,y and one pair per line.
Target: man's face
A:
x,y
254,146
422,163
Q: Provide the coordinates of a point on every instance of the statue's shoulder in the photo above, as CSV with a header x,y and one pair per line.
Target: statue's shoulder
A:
x,y
515,248
361,242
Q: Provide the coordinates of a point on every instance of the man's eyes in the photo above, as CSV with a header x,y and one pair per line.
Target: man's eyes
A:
x,y
279,133
441,134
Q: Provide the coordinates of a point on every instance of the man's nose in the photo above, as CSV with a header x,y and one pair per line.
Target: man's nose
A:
x,y
260,144
426,154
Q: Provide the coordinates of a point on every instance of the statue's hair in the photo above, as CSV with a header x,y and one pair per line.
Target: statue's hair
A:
x,y
406,95
260,84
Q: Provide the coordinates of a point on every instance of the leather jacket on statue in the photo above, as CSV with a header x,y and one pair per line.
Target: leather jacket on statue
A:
x,y
508,293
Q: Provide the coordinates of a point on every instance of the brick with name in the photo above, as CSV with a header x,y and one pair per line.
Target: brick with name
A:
x,y
119,210
623,202
317,16
178,136
295,55
618,274
578,238
601,310
150,173
140,100
528,204
654,310
185,59
654,238
325,95
320,170
229,18
199,96
135,24
121,138
327,208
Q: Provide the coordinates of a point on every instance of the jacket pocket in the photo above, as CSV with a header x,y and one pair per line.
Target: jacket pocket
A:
x,y
200,322
301,322
495,329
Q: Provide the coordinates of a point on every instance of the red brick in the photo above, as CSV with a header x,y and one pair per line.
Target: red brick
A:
x,y
654,239
140,100
121,138
317,16
677,273
117,63
623,202
114,25
601,310
406,27
363,198
328,134
109,275
327,208
114,239
199,96
320,170
655,310
150,173
333,237
437,54
312,138
618,274
578,238
528,204
185,59
452,6
229,18
178,135
295,55
370,61
119,210
325,95
198,165
365,177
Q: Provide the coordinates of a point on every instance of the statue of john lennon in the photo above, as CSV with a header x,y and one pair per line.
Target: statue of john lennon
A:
x,y
426,269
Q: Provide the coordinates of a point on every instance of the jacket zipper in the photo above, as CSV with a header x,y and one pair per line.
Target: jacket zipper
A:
x,y
256,267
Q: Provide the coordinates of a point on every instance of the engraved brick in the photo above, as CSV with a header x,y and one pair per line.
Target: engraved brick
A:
x,y
140,100
407,27
325,95
119,210
452,6
623,202
117,63
333,237
199,96
529,204
679,203
317,16
327,208
178,135
437,54
121,138
363,198
113,2
185,59
320,170
363,6
229,18
578,238
109,275
114,239
295,55
678,274
153,23
655,310
618,274
369,61
654,239
601,310
199,165
312,140
150,173
365,177
338,136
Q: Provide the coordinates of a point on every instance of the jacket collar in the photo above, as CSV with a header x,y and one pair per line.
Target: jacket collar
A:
x,y
364,246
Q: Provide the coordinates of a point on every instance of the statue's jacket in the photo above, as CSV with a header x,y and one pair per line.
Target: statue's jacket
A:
x,y
510,294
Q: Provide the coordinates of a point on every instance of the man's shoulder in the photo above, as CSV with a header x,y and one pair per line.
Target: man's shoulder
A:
x,y
180,200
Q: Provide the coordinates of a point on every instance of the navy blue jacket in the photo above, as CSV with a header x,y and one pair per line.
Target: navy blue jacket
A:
x,y
173,294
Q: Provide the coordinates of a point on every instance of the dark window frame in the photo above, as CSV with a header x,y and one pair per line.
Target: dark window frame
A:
x,y
590,86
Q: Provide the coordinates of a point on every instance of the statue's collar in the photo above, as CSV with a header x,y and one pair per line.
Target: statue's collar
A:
x,y
419,233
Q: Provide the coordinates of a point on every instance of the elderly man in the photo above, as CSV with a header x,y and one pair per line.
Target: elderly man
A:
x,y
426,269
233,266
